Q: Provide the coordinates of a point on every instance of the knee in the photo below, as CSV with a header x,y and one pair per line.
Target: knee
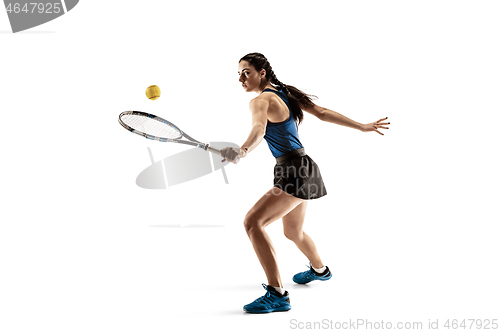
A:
x,y
252,223
293,234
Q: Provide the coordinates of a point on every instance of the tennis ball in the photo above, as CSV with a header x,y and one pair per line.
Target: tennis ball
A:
x,y
153,92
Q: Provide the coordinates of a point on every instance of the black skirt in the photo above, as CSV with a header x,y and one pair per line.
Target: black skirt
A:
x,y
297,174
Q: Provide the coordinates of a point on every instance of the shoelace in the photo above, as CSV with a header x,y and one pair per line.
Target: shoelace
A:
x,y
266,298
307,273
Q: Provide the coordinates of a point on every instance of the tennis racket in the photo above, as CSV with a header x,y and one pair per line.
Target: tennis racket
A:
x,y
156,128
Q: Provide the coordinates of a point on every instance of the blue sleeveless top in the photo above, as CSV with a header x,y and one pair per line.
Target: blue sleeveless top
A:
x,y
282,137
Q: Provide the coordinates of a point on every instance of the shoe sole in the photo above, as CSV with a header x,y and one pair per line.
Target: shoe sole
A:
x,y
282,309
325,278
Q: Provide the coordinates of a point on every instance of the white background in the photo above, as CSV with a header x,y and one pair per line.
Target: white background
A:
x,y
409,227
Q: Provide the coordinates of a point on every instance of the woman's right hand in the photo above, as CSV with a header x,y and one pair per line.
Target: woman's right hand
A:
x,y
231,154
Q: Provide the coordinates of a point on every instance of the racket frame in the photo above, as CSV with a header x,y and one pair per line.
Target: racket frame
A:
x,y
193,142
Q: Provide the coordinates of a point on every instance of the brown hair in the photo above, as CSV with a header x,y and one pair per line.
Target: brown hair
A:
x,y
296,97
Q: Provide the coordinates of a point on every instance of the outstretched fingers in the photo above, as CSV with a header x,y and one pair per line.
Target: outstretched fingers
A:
x,y
380,124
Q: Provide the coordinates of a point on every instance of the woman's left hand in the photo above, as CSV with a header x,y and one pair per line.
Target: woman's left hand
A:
x,y
231,154
375,126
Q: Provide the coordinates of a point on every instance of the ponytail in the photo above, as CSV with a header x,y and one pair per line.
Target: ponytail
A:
x,y
296,98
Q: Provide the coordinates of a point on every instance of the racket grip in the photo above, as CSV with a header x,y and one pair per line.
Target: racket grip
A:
x,y
213,150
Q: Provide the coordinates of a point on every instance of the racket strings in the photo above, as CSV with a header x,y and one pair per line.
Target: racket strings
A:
x,y
151,126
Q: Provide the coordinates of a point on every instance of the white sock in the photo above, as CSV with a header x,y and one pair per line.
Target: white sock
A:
x,y
320,270
280,290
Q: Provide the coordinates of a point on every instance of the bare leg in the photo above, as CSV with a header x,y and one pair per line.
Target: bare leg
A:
x,y
272,206
292,227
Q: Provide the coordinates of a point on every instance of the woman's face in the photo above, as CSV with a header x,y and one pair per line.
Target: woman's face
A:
x,y
249,77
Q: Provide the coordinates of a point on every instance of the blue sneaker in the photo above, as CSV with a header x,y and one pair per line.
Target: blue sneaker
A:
x,y
311,275
270,302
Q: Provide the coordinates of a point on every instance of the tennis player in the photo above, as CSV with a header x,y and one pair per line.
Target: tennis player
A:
x,y
276,113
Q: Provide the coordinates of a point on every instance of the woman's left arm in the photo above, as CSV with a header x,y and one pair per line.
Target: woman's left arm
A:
x,y
330,116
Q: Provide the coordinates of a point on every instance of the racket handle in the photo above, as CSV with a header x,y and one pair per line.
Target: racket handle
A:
x,y
213,150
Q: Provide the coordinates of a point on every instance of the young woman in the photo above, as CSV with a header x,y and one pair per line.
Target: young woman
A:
x,y
276,113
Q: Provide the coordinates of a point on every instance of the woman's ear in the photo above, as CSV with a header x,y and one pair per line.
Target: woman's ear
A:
x,y
263,74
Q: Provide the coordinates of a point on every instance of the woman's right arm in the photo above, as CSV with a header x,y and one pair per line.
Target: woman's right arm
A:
x,y
258,107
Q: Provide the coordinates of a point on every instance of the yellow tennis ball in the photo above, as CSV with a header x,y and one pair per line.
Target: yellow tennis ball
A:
x,y
153,92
